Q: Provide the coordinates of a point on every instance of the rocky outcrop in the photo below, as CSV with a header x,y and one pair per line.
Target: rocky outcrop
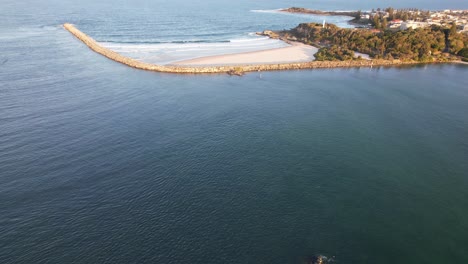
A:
x,y
237,69
301,10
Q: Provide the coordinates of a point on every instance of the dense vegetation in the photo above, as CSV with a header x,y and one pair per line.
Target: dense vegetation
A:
x,y
464,54
423,44
333,53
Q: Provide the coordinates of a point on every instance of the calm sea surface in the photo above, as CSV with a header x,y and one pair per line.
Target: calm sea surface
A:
x,y
102,163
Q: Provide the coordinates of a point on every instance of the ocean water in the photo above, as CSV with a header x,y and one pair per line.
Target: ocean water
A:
x,y
102,163
212,35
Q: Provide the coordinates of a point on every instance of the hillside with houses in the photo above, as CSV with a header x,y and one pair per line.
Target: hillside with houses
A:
x,y
391,34
402,19
396,19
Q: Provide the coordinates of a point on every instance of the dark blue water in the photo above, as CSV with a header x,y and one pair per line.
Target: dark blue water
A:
x,y
101,163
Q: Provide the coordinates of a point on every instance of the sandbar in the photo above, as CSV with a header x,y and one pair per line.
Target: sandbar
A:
x,y
296,52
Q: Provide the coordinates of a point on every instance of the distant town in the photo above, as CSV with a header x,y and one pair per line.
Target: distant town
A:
x,y
389,34
397,19
413,18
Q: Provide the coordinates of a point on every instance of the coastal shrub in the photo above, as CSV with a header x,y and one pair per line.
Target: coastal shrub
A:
x,y
456,45
463,52
406,45
334,53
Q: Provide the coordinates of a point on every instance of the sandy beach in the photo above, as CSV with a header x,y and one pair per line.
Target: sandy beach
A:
x,y
297,52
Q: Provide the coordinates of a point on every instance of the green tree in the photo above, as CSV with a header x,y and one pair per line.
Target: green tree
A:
x,y
376,21
453,29
404,17
384,23
456,45
391,13
463,52
358,14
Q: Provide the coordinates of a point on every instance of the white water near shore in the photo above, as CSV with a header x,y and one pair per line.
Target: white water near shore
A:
x,y
194,48
166,53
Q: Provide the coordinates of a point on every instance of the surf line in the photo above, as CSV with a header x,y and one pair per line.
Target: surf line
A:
x,y
230,69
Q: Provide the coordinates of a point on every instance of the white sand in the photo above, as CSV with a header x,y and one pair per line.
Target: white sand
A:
x,y
297,52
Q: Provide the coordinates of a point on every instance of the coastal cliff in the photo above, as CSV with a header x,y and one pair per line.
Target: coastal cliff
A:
x,y
95,46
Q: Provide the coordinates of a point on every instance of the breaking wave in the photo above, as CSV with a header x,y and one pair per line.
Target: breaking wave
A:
x,y
267,10
172,51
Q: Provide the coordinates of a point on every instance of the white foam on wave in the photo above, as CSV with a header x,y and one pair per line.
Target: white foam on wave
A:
x,y
267,10
166,53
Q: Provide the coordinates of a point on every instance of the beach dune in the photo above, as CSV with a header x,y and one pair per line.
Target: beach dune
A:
x,y
297,52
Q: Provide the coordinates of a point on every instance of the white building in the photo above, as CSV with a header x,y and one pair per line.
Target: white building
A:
x,y
413,25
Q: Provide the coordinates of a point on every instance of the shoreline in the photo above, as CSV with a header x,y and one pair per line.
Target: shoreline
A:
x,y
230,69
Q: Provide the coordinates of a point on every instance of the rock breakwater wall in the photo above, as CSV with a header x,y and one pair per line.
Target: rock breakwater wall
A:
x,y
93,45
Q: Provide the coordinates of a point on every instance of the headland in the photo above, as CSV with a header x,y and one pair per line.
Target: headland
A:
x,y
301,10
